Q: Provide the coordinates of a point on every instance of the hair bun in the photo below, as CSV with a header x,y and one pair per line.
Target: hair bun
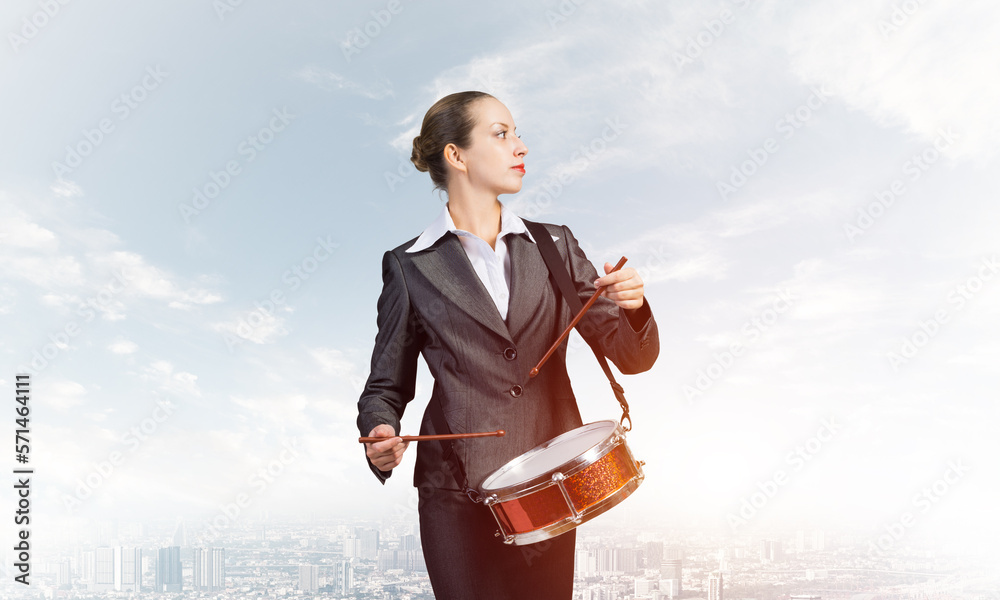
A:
x,y
417,156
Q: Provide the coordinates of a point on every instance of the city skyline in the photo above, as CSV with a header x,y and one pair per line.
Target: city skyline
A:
x,y
195,199
318,558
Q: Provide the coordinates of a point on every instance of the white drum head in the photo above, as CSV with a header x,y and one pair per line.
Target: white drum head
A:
x,y
550,456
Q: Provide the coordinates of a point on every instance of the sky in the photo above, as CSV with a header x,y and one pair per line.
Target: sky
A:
x,y
195,198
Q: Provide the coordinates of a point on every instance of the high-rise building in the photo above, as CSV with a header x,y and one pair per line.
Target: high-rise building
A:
x,y
670,587
128,569
626,560
104,570
654,554
209,569
63,575
810,540
169,571
352,547
345,577
586,563
409,542
387,560
770,551
715,586
118,568
605,561
671,569
670,573
368,543
309,578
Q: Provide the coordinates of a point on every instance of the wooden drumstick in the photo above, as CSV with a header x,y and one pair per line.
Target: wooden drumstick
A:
x,y
427,438
575,320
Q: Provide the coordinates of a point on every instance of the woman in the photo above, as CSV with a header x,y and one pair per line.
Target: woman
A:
x,y
473,295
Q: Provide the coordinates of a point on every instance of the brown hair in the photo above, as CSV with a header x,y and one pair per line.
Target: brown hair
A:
x,y
449,121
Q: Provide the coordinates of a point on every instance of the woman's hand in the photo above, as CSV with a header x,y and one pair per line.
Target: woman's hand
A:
x,y
624,286
387,454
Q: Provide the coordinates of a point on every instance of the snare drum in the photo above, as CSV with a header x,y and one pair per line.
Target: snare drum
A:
x,y
562,483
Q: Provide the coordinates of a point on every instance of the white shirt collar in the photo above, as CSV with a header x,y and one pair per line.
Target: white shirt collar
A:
x,y
509,223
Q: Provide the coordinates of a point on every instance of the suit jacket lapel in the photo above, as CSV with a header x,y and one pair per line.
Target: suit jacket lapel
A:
x,y
447,266
529,279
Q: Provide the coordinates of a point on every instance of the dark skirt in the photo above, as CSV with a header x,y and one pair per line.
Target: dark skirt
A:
x,y
466,561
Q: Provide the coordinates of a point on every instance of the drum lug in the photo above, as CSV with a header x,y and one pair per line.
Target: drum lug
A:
x,y
490,501
558,479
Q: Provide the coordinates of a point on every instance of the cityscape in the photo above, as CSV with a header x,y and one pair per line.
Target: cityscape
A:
x,y
340,559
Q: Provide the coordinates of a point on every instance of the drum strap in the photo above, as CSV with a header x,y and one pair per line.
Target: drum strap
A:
x,y
559,274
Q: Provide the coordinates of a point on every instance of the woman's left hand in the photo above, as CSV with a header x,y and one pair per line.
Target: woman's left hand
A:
x,y
624,287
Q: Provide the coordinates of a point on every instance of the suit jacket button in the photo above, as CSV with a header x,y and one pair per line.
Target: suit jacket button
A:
x,y
510,354
515,391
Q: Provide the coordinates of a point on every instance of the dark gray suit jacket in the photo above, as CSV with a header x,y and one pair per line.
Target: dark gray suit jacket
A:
x,y
433,303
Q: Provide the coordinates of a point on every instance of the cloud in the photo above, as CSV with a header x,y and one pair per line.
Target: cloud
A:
x,y
19,232
333,361
181,384
254,326
66,188
7,295
122,346
152,282
71,263
64,395
925,69
328,80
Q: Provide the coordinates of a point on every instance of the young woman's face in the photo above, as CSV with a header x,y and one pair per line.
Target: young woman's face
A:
x,y
495,157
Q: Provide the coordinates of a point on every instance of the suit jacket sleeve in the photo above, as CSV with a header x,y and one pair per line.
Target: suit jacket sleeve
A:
x,y
394,359
632,343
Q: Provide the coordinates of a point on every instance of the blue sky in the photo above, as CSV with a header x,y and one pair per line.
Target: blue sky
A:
x,y
807,190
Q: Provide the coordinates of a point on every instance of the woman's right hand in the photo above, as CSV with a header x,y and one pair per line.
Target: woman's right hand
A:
x,y
387,454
